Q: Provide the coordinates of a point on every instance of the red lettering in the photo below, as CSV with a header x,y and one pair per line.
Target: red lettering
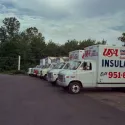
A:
x,y
87,53
83,56
116,75
110,52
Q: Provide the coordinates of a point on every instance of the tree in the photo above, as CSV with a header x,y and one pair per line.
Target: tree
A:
x,y
51,49
86,43
70,45
31,45
12,26
122,38
9,29
3,34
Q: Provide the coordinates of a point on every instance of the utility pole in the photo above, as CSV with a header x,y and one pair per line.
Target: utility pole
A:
x,y
19,62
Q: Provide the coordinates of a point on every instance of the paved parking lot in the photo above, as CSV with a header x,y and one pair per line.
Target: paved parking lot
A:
x,y
26,100
113,98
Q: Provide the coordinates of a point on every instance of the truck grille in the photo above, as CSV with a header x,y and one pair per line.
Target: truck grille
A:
x,y
50,75
60,77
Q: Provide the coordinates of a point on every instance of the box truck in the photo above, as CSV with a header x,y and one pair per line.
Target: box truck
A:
x,y
50,62
103,66
74,55
42,63
34,71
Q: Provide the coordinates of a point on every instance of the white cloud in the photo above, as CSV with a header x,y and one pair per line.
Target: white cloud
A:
x,y
67,19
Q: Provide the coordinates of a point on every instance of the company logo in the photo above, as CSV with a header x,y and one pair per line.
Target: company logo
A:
x,y
113,63
110,52
91,53
87,53
83,56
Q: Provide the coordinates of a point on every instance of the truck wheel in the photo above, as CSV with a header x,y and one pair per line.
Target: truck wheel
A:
x,y
74,88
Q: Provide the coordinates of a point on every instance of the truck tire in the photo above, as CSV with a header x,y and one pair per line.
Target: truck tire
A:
x,y
74,88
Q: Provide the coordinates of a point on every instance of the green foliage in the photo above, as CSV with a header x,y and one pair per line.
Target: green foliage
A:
x,y
31,46
122,38
18,72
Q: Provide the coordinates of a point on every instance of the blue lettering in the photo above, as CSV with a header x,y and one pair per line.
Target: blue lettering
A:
x,y
113,63
103,63
116,63
106,63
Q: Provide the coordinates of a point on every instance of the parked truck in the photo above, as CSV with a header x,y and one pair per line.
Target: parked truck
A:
x,y
74,55
29,71
42,63
34,71
50,62
103,66
52,74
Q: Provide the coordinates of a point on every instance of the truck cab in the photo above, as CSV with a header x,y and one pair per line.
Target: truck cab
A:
x,y
43,73
80,73
53,73
35,70
39,70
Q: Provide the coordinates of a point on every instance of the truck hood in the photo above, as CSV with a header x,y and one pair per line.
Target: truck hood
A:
x,y
46,69
36,68
56,71
66,72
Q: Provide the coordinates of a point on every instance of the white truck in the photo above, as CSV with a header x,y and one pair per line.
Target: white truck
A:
x,y
50,62
104,66
34,71
29,71
52,75
42,63
74,55
43,73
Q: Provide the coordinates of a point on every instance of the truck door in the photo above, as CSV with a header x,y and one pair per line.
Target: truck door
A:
x,y
87,75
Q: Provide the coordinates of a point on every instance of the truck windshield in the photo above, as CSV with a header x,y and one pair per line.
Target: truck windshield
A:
x,y
67,66
75,65
47,66
59,66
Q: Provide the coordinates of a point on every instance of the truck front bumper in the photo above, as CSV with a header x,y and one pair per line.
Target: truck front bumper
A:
x,y
35,74
52,79
38,75
63,84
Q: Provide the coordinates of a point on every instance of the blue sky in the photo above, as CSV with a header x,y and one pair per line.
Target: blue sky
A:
x,y
61,20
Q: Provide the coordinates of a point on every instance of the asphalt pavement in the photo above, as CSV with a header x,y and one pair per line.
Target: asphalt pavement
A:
x,y
26,100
